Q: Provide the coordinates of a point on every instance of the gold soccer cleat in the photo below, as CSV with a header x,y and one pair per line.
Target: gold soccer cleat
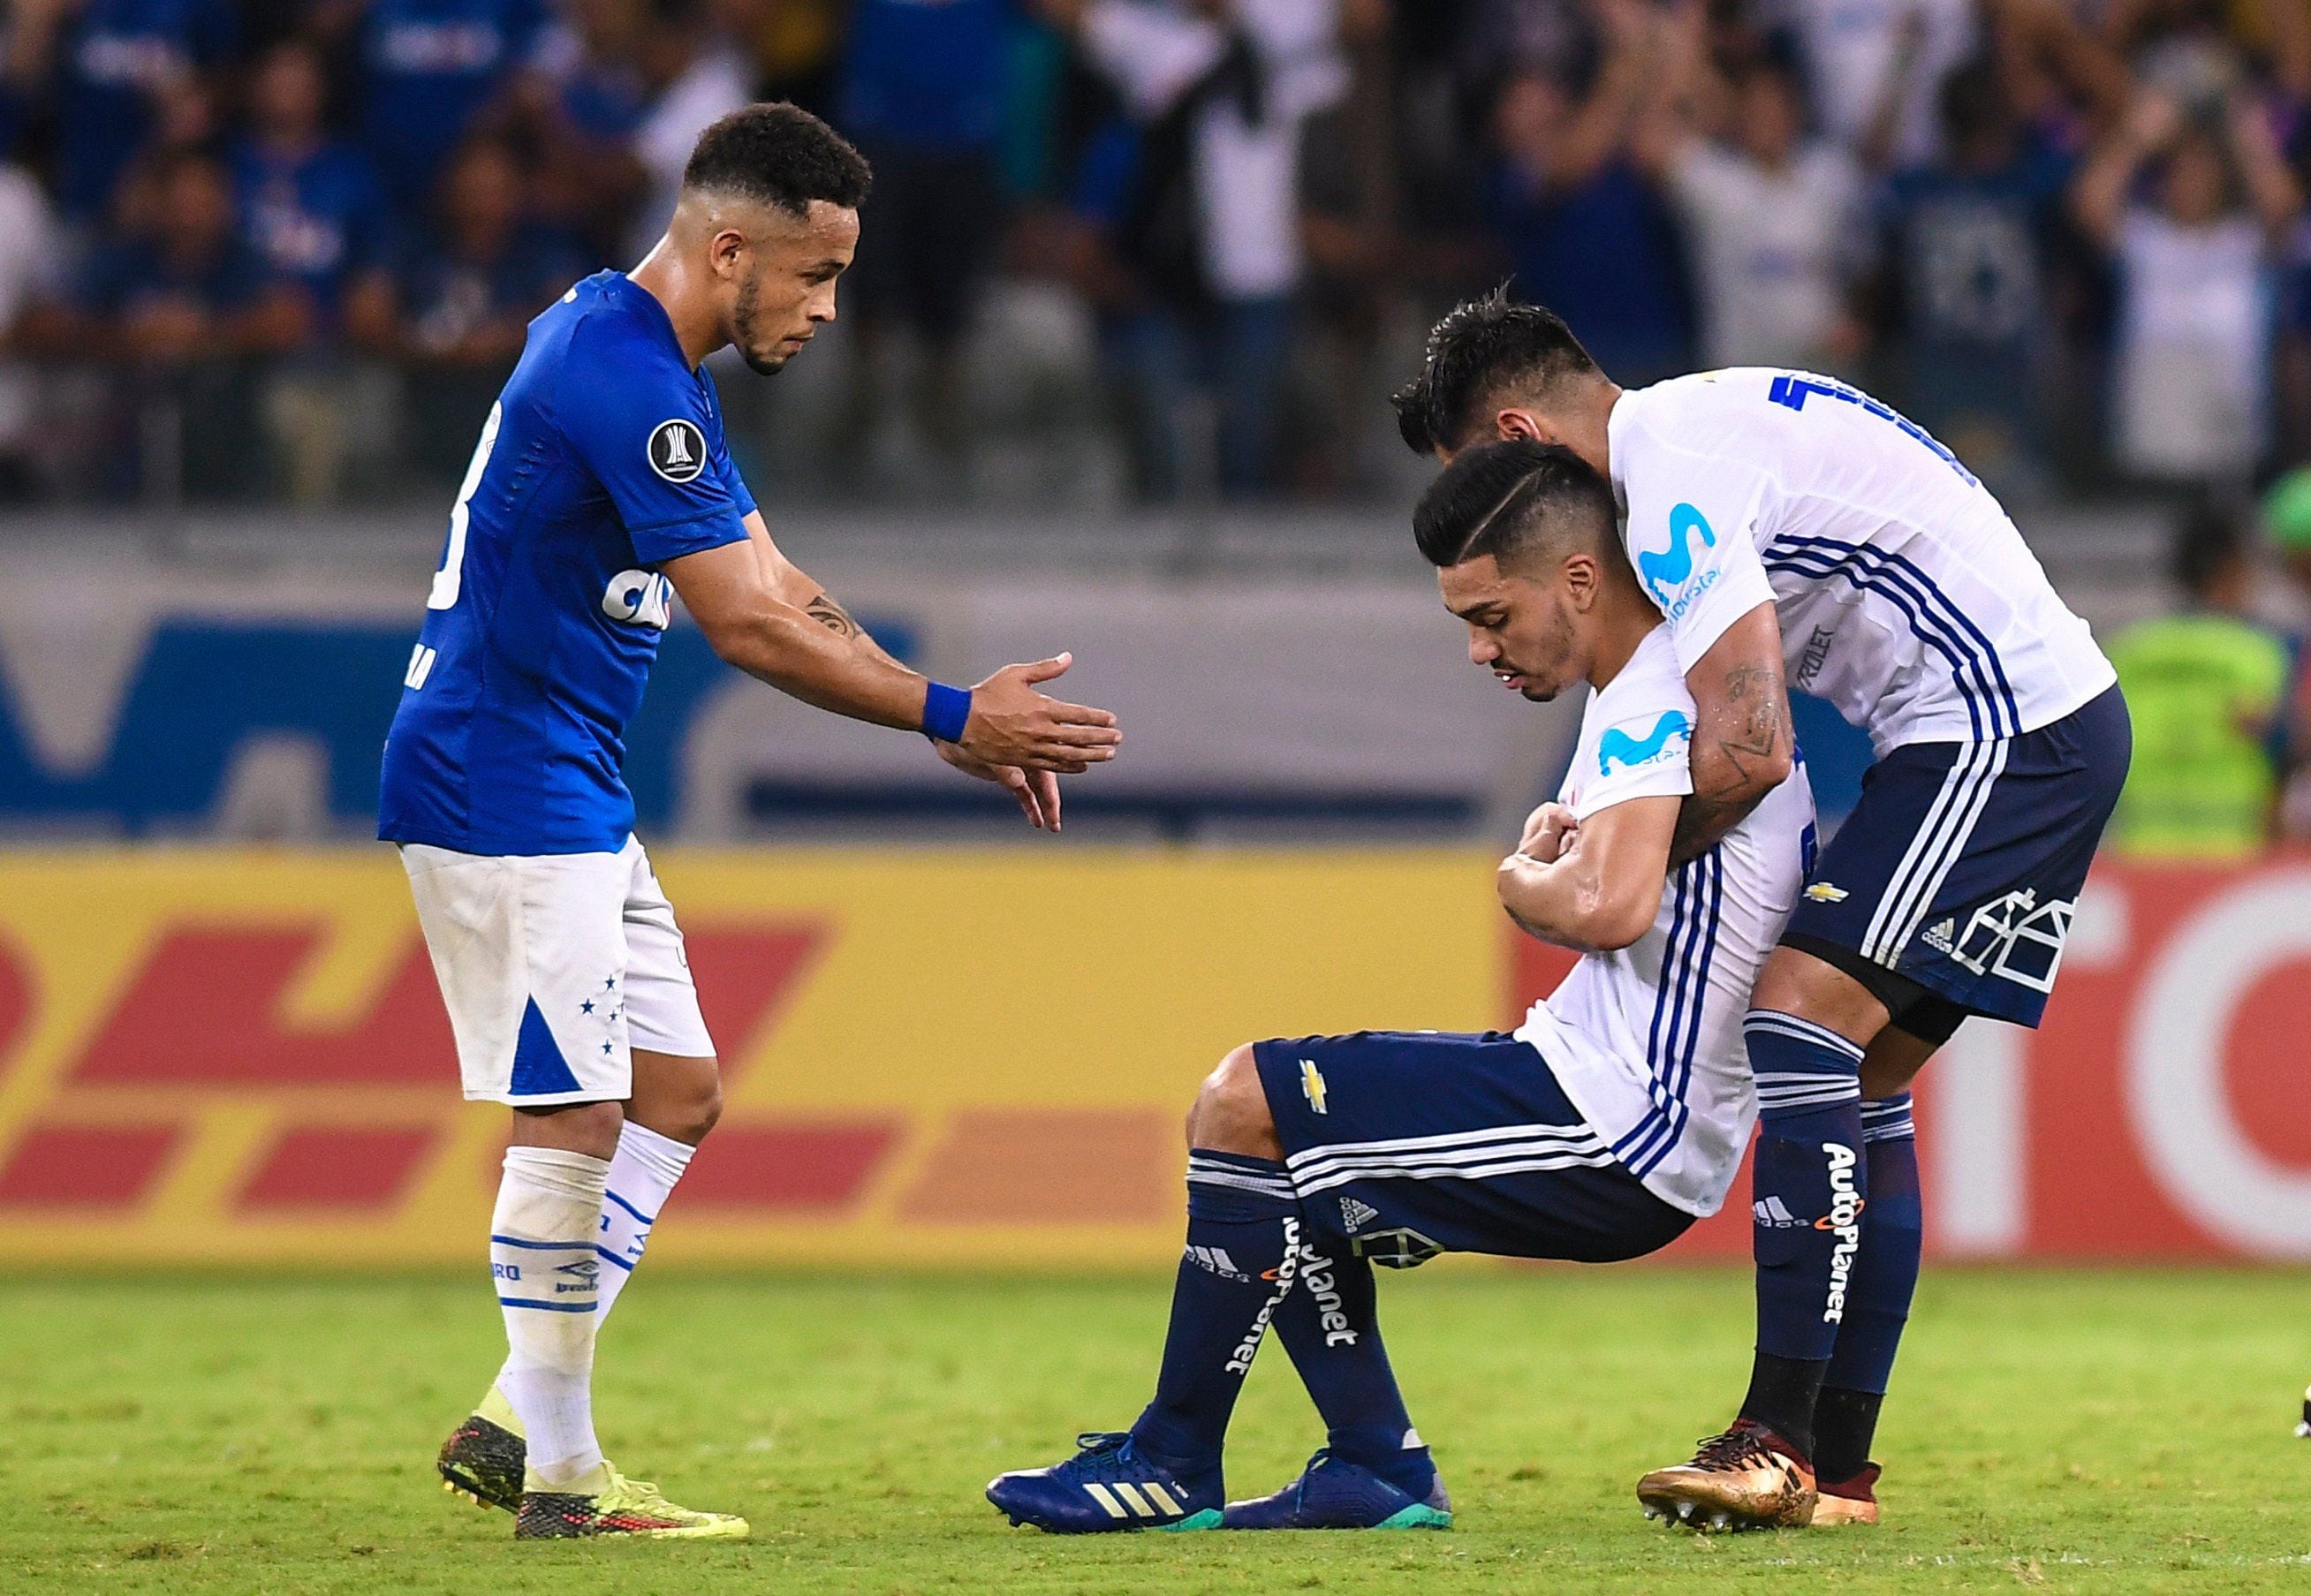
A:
x,y
1848,1501
1747,1478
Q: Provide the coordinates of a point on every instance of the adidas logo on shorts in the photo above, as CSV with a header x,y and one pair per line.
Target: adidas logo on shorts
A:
x,y
1354,1214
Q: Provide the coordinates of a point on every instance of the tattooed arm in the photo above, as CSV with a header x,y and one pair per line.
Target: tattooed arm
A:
x,y
1037,790
1742,738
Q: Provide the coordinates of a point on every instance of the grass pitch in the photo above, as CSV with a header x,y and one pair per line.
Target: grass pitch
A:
x,y
2097,1431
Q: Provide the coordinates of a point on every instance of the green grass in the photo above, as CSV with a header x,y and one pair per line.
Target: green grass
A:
x,y
2095,1431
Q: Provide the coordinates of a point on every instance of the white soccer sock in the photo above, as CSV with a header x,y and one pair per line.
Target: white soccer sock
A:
x,y
641,1177
542,1252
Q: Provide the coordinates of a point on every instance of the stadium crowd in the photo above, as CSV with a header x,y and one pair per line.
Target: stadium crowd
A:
x,y
285,249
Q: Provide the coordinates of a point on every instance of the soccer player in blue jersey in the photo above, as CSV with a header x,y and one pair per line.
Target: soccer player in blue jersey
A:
x,y
600,489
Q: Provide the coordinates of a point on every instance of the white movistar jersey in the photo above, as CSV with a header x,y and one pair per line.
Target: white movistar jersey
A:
x,y
1646,1039
1906,597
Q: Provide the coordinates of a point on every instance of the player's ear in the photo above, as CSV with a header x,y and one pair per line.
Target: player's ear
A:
x,y
1582,581
727,251
1521,423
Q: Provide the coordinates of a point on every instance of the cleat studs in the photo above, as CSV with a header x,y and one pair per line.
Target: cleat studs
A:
x,y
1720,1519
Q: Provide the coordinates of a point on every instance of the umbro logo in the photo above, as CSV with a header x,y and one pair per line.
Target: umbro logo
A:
x,y
677,451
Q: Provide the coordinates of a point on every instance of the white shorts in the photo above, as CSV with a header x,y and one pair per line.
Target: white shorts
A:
x,y
554,967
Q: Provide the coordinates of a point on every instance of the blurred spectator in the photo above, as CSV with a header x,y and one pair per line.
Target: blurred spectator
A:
x,y
1875,67
1587,233
691,76
311,203
2190,400
1968,235
30,265
1199,195
922,96
457,306
192,307
576,112
427,69
110,61
2205,687
1773,219
313,208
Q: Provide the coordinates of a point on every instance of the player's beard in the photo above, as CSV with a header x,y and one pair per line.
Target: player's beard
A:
x,y
742,324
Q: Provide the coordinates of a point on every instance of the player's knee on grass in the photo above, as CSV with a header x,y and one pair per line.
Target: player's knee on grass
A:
x,y
589,1128
1231,1113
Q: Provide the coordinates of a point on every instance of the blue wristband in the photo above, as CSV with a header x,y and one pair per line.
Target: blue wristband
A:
x,y
945,710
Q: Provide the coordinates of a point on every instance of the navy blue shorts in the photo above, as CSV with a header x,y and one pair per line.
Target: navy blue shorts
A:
x,y
1959,868
1406,1143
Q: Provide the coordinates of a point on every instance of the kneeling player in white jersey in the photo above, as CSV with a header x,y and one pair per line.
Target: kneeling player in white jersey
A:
x,y
1614,1116
602,487
1906,598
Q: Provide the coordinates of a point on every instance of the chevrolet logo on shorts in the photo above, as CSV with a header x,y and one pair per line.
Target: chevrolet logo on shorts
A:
x,y
1311,1085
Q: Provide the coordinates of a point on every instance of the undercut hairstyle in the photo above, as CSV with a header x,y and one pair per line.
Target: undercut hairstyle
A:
x,y
1483,352
1521,503
778,154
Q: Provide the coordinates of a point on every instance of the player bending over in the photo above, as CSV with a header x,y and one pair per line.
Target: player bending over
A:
x,y
1908,600
1614,1116
600,488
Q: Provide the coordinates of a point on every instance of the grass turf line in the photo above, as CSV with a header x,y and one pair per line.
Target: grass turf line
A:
x,y
2090,1430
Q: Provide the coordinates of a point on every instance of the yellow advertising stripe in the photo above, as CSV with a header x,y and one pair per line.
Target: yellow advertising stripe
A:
x,y
1027,1028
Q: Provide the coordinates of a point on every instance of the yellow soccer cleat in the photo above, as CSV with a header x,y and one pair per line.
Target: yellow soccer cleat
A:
x,y
1747,1478
606,1503
483,1459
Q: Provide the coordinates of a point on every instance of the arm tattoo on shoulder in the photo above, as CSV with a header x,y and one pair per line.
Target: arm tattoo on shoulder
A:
x,y
1759,700
832,615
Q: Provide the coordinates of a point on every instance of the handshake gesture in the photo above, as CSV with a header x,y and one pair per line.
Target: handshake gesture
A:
x,y
1023,740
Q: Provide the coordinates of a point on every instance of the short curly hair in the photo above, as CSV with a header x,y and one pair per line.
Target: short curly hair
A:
x,y
778,154
1482,350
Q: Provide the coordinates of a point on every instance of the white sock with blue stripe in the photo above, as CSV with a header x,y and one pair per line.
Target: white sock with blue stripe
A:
x,y
642,1176
543,1253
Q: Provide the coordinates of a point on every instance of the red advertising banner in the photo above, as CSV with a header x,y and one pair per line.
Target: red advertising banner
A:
x,y
2162,1111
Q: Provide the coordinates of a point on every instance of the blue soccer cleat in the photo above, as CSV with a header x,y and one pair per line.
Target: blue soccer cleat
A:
x,y
1335,1494
1109,1485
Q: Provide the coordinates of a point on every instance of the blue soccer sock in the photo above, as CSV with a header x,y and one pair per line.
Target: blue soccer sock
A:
x,y
1240,1259
1330,1326
1809,1170
1877,1299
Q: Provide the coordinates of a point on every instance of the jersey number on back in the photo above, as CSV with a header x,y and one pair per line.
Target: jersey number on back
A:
x,y
1793,390
451,578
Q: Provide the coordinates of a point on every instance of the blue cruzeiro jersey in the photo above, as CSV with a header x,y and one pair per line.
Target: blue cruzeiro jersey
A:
x,y
603,458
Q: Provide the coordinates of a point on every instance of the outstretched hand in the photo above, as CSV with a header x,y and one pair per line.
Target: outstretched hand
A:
x,y
1013,724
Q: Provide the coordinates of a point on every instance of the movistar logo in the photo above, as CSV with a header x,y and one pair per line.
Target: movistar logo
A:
x,y
1665,573
1619,748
